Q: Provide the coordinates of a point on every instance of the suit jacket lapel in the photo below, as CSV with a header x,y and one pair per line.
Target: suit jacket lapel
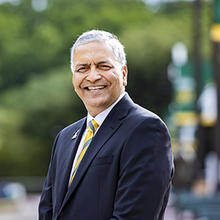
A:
x,y
108,128
75,140
68,156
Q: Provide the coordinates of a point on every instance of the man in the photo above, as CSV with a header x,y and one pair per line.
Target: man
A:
x,y
116,163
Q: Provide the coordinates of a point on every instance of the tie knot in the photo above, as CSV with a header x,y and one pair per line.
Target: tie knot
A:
x,y
93,125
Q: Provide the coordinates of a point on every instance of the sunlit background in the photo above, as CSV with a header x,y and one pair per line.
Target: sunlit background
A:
x,y
173,53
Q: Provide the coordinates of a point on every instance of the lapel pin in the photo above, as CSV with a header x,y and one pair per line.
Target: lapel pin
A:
x,y
75,135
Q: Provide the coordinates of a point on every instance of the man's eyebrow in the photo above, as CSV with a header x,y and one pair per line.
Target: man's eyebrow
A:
x,y
82,64
98,63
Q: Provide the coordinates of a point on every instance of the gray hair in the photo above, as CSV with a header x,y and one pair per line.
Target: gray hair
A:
x,y
103,36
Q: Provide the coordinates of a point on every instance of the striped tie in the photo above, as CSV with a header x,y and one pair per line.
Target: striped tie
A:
x,y
92,127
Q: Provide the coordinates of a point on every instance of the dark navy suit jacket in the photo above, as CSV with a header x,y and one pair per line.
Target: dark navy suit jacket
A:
x,y
125,174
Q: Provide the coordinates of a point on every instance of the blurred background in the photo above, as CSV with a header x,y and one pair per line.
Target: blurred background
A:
x,y
173,52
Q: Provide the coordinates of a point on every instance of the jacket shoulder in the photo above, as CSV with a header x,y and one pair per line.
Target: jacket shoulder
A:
x,y
140,115
144,113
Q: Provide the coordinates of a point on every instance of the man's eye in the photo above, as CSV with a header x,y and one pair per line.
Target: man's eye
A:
x,y
82,69
105,67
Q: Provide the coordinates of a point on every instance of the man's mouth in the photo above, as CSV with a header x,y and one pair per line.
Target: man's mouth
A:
x,y
95,87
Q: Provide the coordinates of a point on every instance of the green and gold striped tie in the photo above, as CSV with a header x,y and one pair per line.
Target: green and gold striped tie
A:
x,y
92,127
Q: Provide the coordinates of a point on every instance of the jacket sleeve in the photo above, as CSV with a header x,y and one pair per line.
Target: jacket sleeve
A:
x,y
146,169
46,206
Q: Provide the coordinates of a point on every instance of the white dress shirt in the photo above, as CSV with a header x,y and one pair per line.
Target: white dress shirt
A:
x,y
99,119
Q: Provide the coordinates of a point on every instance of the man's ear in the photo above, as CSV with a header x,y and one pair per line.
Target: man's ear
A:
x,y
124,75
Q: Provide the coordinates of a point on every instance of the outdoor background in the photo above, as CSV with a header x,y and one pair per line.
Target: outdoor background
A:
x,y
170,64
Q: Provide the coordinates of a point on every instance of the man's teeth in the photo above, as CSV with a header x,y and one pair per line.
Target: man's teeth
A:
x,y
96,87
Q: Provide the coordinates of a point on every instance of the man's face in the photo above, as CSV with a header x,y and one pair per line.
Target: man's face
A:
x,y
98,77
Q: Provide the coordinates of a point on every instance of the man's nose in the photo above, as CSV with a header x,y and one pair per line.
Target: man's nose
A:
x,y
93,75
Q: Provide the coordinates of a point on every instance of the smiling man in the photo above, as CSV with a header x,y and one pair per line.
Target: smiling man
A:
x,y
98,78
116,163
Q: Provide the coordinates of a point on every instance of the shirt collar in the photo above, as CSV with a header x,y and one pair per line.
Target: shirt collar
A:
x,y
102,115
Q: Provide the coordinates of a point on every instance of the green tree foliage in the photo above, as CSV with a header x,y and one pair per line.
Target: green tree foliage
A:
x,y
31,118
37,98
32,41
148,53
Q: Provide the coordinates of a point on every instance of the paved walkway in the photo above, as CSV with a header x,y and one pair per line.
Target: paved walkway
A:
x,y
27,210
22,210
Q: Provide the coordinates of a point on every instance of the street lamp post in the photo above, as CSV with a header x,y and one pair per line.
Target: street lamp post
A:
x,y
197,52
215,36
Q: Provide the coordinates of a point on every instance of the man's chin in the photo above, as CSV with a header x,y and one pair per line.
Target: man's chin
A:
x,y
97,105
